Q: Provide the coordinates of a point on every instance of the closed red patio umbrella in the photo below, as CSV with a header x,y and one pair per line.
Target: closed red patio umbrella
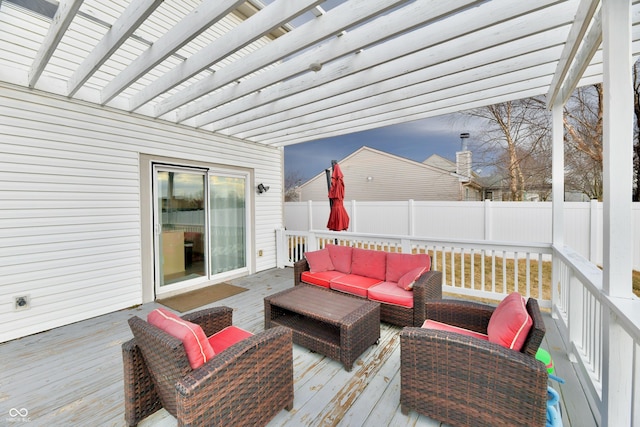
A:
x,y
338,217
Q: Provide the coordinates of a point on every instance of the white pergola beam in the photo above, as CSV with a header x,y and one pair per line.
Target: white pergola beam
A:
x,y
201,18
324,26
250,30
409,17
590,46
67,10
421,38
420,94
421,111
133,16
424,66
586,10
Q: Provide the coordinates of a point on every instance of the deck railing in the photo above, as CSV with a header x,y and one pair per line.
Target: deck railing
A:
x,y
601,333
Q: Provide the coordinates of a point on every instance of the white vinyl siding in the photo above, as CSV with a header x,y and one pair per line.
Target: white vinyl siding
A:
x,y
70,205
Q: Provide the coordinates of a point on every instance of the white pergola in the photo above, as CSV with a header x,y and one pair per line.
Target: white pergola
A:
x,y
296,71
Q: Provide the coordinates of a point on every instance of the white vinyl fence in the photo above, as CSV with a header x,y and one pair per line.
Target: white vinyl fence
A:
x,y
495,221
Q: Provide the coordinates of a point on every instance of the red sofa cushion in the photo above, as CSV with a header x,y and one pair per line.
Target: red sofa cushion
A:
x,y
369,263
227,337
510,323
195,342
341,257
319,260
353,284
398,264
406,282
432,324
322,278
390,293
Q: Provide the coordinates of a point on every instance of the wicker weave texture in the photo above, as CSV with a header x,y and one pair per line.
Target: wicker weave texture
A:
x,y
246,384
338,326
427,287
464,381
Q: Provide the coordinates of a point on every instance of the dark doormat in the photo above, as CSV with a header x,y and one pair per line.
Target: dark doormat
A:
x,y
194,299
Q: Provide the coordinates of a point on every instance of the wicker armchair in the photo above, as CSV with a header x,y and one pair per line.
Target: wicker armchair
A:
x,y
465,381
246,384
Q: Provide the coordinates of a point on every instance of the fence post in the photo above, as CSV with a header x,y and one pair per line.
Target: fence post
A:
x,y
310,215
488,219
594,236
353,222
412,216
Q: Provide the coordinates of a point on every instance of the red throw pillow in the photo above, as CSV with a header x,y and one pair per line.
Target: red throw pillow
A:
x,y
409,278
369,263
192,336
510,323
398,264
341,257
319,261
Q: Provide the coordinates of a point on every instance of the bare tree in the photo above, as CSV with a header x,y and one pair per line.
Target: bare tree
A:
x,y
292,181
517,140
583,121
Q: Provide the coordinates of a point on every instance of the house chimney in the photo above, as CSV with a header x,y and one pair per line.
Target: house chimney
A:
x,y
463,157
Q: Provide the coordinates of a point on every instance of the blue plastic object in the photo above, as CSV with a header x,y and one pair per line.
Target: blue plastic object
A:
x,y
554,418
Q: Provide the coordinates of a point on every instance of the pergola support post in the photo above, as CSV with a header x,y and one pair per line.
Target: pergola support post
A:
x,y
617,181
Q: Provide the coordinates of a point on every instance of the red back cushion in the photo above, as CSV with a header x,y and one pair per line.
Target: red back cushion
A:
x,y
406,282
399,264
369,263
192,336
510,323
340,257
319,261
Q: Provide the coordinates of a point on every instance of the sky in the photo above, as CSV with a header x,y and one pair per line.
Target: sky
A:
x,y
415,140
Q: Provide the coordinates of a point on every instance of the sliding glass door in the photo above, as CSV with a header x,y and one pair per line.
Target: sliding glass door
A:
x,y
200,222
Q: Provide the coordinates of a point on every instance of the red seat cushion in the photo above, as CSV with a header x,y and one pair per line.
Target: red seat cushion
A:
x,y
432,324
195,342
319,260
510,323
352,284
390,293
341,257
323,278
399,264
227,337
369,263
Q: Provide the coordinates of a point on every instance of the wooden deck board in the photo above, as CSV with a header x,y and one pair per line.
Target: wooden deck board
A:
x,y
72,375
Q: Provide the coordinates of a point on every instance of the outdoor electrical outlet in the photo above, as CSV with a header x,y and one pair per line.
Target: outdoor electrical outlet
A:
x,y
260,252
22,302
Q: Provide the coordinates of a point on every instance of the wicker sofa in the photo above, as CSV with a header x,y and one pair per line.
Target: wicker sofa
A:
x,y
377,276
462,380
246,384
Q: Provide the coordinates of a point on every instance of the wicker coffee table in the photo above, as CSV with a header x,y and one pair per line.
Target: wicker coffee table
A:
x,y
339,326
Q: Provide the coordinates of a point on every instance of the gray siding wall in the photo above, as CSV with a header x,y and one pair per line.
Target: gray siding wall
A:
x,y
391,179
70,204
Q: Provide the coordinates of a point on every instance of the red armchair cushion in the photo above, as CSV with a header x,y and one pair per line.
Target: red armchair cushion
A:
x,y
341,257
319,260
227,337
369,263
352,284
407,280
192,336
322,278
398,264
432,324
510,323
390,293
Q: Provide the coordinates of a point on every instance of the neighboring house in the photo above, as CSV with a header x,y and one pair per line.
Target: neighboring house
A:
x,y
373,175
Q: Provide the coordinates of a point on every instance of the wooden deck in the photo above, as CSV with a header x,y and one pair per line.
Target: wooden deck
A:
x,y
72,376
